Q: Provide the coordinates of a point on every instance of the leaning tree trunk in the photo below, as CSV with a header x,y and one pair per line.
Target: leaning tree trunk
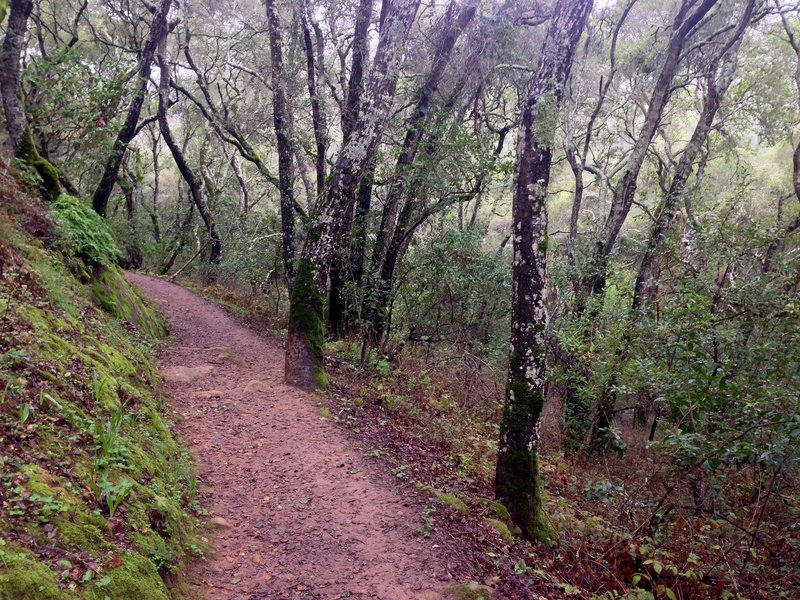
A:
x,y
19,130
576,424
517,481
719,76
158,29
280,116
455,22
188,175
325,237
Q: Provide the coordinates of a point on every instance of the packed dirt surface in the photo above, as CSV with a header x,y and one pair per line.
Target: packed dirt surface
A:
x,y
297,510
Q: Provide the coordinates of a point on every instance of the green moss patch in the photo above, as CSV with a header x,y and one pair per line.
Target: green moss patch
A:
x,y
453,501
468,591
96,495
502,529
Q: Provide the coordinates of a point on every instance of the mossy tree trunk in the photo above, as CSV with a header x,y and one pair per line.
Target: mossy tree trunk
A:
x,y
327,230
19,131
517,480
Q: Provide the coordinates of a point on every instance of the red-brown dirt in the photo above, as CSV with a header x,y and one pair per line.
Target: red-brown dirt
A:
x,y
298,511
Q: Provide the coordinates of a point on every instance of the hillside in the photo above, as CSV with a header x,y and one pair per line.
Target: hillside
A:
x,y
96,496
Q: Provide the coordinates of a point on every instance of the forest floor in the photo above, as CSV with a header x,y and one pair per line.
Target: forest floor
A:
x,y
297,509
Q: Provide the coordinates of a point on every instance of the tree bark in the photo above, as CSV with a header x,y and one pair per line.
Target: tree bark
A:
x,y
158,29
315,65
355,85
517,480
280,114
326,231
19,130
341,269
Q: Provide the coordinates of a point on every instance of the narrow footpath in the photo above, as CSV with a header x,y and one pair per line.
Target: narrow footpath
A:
x,y
296,509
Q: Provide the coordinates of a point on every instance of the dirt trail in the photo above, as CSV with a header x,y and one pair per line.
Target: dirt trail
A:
x,y
300,511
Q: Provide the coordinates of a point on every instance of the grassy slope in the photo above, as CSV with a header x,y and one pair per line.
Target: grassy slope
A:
x,y
81,429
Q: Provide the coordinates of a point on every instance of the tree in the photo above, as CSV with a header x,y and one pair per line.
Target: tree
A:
x,y
325,235
282,122
19,130
128,131
195,188
517,480
591,285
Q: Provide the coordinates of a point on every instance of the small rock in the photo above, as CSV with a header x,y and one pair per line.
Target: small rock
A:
x,y
255,386
180,374
207,394
220,522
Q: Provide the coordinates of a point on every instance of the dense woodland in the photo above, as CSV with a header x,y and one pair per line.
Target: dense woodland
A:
x,y
402,187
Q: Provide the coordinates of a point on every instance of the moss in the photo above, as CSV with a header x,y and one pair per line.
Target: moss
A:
x,y
325,413
453,501
62,332
135,578
445,498
41,482
83,536
499,510
502,529
49,174
305,321
28,580
114,294
518,480
468,591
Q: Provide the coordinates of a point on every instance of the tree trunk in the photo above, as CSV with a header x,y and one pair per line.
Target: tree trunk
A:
x,y
156,190
180,240
188,175
315,65
280,114
326,237
625,190
718,80
355,85
517,481
341,271
720,74
454,26
19,130
158,29
13,45
593,283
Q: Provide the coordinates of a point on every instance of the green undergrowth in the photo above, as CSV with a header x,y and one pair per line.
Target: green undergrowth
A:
x,y
96,496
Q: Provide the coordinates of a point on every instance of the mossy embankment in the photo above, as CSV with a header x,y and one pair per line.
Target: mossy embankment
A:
x,y
96,497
